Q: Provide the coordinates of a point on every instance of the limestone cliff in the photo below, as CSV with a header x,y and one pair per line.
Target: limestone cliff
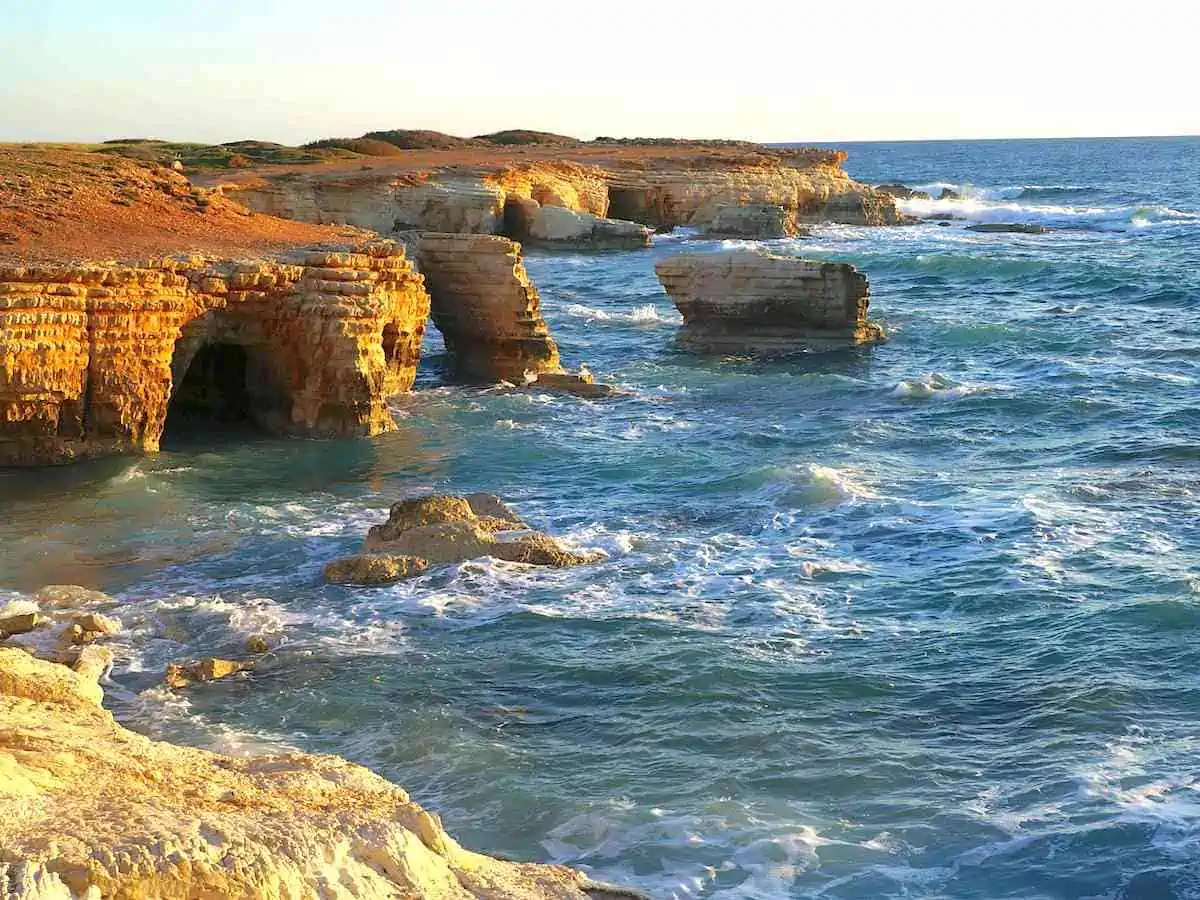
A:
x,y
473,192
90,810
756,301
486,308
312,342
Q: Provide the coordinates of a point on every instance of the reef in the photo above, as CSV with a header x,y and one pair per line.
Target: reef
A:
x,y
94,357
90,809
748,300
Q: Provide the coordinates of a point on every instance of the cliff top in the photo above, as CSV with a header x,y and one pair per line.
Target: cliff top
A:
x,y
61,203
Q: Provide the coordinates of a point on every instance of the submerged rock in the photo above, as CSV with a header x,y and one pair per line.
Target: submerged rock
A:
x,y
180,675
750,300
902,192
1009,228
71,596
89,809
580,384
373,568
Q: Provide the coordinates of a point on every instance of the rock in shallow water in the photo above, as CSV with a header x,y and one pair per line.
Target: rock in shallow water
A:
x,y
1008,228
753,301
88,809
373,568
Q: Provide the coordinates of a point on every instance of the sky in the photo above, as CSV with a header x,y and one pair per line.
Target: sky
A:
x,y
297,70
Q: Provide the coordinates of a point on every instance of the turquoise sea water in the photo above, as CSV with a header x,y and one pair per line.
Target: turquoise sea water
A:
x,y
916,621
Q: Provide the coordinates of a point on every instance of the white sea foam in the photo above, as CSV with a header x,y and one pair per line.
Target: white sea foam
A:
x,y
681,233
933,386
647,314
997,205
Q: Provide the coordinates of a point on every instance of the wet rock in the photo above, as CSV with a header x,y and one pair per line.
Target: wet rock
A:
x,y
540,549
180,675
96,623
581,384
902,192
20,623
484,511
753,301
93,663
71,596
371,568
949,194
257,644
1009,228
443,528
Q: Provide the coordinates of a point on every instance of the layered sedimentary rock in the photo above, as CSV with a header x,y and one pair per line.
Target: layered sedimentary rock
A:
x,y
486,308
756,301
90,810
556,226
657,187
312,343
757,221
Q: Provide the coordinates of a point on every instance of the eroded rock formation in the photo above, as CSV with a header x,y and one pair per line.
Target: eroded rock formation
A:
x,y
556,226
89,809
311,343
486,308
761,302
758,221
660,187
443,528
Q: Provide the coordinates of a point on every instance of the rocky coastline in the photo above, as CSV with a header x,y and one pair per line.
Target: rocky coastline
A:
x,y
296,300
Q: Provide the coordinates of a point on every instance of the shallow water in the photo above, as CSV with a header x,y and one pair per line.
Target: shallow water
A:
x,y
913,621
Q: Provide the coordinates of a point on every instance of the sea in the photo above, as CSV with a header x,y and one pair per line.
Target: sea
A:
x,y
917,620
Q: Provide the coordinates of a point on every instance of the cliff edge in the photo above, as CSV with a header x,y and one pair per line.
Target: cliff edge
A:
x,y
89,809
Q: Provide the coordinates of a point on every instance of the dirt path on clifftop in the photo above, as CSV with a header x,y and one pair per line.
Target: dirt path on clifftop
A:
x,y
62,205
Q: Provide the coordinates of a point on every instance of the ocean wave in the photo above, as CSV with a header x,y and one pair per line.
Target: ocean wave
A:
x,y
968,191
999,205
933,386
818,485
647,314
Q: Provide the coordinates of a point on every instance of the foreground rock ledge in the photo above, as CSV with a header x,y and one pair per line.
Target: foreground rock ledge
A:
x,y
750,300
90,810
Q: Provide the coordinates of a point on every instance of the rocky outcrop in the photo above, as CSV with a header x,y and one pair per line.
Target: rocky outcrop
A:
x,y
902,192
310,343
757,221
486,308
755,301
660,187
1009,228
442,528
89,809
556,226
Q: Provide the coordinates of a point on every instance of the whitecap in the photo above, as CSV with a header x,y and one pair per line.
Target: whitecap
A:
x,y
933,386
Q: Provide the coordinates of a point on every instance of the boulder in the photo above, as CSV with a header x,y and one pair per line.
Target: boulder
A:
x,y
753,301
89,809
757,221
20,623
949,194
371,568
443,528
557,226
180,675
256,643
1008,228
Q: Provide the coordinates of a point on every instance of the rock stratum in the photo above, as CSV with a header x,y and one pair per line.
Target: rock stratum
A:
x,y
90,810
618,186
751,300
312,343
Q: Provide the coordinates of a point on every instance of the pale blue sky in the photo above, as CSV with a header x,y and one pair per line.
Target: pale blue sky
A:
x,y
295,70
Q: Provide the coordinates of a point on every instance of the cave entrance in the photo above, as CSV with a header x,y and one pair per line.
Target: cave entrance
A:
x,y
631,204
213,390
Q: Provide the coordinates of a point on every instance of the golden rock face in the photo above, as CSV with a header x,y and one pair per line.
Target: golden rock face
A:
x,y
88,808
90,355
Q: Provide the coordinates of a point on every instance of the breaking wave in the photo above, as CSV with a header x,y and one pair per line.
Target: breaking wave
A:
x,y
639,315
